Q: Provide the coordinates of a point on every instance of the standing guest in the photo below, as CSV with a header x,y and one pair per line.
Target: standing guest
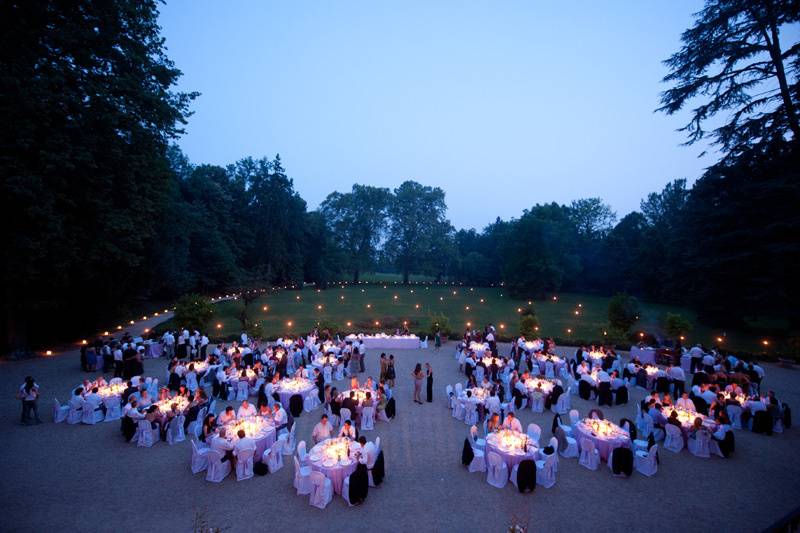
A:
x,y
429,382
418,376
117,361
384,365
437,340
29,394
322,430
390,372
279,416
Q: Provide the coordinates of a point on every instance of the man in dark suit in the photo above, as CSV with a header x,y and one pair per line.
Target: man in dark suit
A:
x,y
350,403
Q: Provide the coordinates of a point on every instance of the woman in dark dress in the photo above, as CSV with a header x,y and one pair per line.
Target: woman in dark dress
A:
x,y
429,382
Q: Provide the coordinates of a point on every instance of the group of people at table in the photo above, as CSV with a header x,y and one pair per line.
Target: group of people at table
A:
x,y
723,395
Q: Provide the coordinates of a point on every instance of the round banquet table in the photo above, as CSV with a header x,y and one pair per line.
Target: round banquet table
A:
x,y
403,342
645,355
285,395
604,445
264,440
336,472
510,457
557,365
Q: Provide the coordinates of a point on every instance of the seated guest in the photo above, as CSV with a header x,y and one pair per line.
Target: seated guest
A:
x,y
366,452
368,401
77,399
221,444
493,424
347,430
279,416
667,401
323,430
246,410
382,400
684,402
244,443
724,427
673,419
96,400
350,402
209,428
227,416
200,400
264,410
658,417
492,403
696,426
512,423
153,416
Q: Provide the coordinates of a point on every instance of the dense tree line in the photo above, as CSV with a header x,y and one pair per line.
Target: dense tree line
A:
x,y
103,211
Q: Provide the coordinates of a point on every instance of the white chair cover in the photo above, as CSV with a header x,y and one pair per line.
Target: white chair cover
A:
x,y
735,416
449,393
368,418
534,433
199,458
273,457
562,405
698,445
537,402
478,463
242,390
571,450
175,431
60,412
589,457
497,475
147,435
113,409
344,414
291,442
645,462
423,344
470,413
546,471
327,375
217,469
90,415
75,412
244,464
673,441
302,478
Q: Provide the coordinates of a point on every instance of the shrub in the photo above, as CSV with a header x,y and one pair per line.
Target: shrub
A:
x,y
441,322
528,325
623,311
193,311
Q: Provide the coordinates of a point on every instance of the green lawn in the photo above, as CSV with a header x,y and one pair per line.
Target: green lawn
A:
x,y
392,304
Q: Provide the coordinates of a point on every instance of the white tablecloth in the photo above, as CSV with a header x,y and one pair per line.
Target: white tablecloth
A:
x,y
389,343
604,445
645,355
335,473
285,395
510,457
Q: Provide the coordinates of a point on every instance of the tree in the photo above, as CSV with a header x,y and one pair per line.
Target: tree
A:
x,y
623,311
193,312
358,220
529,326
592,218
88,107
417,218
676,325
733,61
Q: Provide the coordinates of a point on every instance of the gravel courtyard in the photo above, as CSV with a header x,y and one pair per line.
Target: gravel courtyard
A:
x,y
69,478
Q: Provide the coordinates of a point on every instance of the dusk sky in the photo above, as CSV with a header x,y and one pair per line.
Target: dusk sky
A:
x,y
502,104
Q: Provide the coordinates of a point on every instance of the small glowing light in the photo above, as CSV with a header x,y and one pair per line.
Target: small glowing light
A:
x,y
577,313
466,308
318,290
166,311
765,342
147,330
49,352
719,339
341,297
412,291
405,322
369,305
296,297
519,309
349,324
682,337
529,302
319,307
605,333
536,328
569,330
555,298
502,326
131,321
362,290
219,326
641,334
289,323
144,317
377,323
384,286
469,324
85,342
155,314
441,298
416,306
265,308
105,333
580,305
481,300
119,327
395,297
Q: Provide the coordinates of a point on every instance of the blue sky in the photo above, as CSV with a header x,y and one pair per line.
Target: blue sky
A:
x,y
502,104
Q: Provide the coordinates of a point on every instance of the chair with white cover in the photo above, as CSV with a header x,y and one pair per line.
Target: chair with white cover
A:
x,y
423,344
537,402
311,401
478,463
291,441
534,433
339,375
698,445
646,462
345,415
458,388
196,425
572,447
735,416
590,456
217,468
242,390
302,478
90,414
199,458
450,398
459,408
673,441
371,460
479,372
562,406
321,490
244,464
60,412
302,455
175,431
327,374
549,370
75,412
474,440
113,409
470,413
546,471
497,470
273,457
115,381
368,418
147,434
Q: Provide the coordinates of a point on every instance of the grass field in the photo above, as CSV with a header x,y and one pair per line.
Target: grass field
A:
x,y
570,317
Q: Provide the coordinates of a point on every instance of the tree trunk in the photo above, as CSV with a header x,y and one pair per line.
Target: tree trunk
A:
x,y
355,275
405,276
775,53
